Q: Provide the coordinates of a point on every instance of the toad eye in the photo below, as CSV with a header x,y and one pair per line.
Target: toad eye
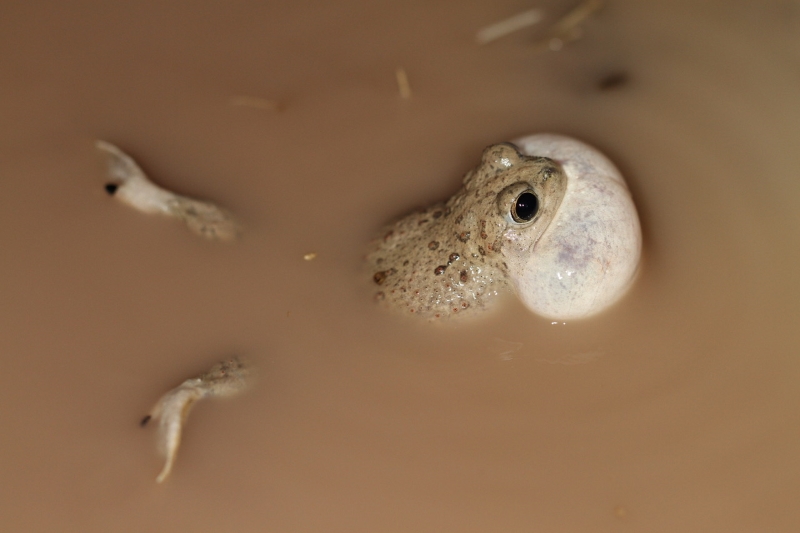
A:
x,y
525,207
518,203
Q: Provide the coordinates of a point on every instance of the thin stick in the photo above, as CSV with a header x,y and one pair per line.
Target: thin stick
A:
x,y
402,83
567,29
508,26
576,17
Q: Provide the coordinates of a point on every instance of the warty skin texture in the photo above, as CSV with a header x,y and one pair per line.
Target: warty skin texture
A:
x,y
573,259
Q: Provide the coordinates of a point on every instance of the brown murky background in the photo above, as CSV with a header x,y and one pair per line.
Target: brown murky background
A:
x,y
678,410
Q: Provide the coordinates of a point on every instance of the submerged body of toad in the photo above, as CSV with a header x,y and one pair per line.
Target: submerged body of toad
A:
x,y
455,256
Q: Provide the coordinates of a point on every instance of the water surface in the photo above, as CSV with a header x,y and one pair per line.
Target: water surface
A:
x,y
677,410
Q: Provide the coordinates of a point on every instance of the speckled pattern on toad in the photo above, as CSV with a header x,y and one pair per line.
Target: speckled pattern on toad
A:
x,y
447,259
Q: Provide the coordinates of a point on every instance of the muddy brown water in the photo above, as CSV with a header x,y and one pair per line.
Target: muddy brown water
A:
x,y
677,410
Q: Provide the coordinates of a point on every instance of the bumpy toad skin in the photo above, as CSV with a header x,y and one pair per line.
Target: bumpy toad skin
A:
x,y
549,216
454,257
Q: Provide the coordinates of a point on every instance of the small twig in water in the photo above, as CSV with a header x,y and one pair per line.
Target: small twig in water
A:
x,y
508,26
227,378
568,29
133,187
402,83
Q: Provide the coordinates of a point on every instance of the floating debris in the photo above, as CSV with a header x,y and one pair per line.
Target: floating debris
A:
x,y
620,512
613,80
133,187
508,26
402,83
227,378
255,102
310,257
568,29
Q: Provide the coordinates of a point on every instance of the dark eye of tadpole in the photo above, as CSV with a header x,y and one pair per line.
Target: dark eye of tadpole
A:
x,y
525,207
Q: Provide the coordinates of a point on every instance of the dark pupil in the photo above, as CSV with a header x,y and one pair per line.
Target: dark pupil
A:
x,y
525,207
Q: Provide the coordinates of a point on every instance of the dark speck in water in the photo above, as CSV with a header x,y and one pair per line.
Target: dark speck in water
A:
x,y
614,80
